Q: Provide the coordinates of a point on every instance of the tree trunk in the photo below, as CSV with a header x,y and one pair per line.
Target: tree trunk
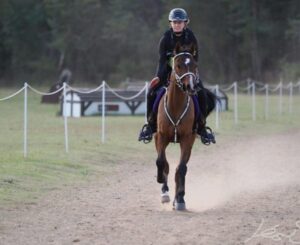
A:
x,y
256,62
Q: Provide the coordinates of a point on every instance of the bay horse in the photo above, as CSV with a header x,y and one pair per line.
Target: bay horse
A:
x,y
175,122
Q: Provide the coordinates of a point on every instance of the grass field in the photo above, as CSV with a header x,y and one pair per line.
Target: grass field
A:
x,y
48,167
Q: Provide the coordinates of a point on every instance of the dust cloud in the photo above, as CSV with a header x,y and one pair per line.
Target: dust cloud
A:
x,y
252,167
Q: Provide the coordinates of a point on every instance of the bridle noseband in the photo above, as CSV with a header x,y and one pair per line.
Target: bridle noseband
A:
x,y
178,78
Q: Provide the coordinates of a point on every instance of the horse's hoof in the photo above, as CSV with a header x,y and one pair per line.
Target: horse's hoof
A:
x,y
165,197
179,206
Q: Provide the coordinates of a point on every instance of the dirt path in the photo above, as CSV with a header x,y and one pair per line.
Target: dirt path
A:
x,y
233,196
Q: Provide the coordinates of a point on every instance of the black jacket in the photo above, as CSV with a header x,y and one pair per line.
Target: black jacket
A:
x,y
166,47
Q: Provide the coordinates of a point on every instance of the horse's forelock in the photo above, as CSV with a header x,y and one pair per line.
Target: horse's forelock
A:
x,y
185,58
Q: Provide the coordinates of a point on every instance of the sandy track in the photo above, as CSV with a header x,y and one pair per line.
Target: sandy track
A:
x,y
238,188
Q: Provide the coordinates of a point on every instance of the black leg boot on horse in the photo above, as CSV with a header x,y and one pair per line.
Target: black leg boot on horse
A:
x,y
207,104
149,128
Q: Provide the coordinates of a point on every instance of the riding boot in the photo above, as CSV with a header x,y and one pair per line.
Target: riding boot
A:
x,y
206,135
150,127
152,118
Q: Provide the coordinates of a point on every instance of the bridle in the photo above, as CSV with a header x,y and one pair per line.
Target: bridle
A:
x,y
180,84
179,78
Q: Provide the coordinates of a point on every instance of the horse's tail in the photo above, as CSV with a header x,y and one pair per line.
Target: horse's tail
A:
x,y
211,99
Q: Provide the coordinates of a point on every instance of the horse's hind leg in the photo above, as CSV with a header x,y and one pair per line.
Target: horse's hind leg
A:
x,y
162,170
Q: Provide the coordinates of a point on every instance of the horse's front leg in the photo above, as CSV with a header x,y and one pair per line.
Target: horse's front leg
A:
x,y
162,168
181,170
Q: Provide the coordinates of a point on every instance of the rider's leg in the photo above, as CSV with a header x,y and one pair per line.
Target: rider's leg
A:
x,y
151,117
205,132
150,127
155,85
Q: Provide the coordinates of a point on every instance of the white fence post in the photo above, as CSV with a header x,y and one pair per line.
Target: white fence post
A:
x,y
248,85
267,102
291,98
146,101
103,111
217,119
280,97
217,108
25,119
253,102
235,89
65,118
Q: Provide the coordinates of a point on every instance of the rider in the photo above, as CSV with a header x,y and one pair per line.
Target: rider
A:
x,y
178,33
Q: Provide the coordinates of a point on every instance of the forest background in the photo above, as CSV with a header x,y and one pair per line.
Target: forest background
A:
x,y
117,40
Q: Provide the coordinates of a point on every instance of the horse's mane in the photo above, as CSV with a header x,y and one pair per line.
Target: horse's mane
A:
x,y
184,48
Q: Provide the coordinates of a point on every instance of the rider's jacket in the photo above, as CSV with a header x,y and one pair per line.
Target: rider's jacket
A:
x,y
166,47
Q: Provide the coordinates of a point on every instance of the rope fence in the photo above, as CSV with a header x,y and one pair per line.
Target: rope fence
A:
x,y
13,95
250,89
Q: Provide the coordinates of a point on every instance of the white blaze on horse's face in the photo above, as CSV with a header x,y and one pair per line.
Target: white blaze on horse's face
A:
x,y
187,61
186,79
191,81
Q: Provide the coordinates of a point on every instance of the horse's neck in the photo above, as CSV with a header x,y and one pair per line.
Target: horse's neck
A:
x,y
176,100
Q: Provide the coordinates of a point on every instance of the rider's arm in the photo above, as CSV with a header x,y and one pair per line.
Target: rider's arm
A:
x,y
196,56
162,64
194,40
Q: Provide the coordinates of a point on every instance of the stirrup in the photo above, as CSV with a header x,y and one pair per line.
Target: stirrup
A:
x,y
210,136
146,134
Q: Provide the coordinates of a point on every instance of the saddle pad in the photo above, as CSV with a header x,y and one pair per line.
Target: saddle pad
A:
x,y
159,95
197,107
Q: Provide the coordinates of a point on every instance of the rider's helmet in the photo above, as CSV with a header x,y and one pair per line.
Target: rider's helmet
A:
x,y
178,14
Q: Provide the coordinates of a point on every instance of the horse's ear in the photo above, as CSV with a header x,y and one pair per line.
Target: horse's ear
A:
x,y
193,49
177,48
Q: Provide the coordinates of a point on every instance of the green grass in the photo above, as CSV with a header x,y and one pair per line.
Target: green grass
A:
x,y
275,122
48,167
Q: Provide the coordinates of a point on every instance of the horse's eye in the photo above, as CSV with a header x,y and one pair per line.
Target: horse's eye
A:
x,y
178,66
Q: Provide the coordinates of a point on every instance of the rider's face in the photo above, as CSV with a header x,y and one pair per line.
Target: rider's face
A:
x,y
177,26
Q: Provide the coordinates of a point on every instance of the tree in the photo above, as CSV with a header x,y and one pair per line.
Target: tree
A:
x,y
117,39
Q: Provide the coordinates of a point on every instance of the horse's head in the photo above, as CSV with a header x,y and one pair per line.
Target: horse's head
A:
x,y
185,68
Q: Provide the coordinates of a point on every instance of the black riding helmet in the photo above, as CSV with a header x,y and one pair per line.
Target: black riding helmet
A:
x,y
178,14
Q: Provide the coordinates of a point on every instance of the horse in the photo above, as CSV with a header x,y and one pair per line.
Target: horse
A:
x,y
175,122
